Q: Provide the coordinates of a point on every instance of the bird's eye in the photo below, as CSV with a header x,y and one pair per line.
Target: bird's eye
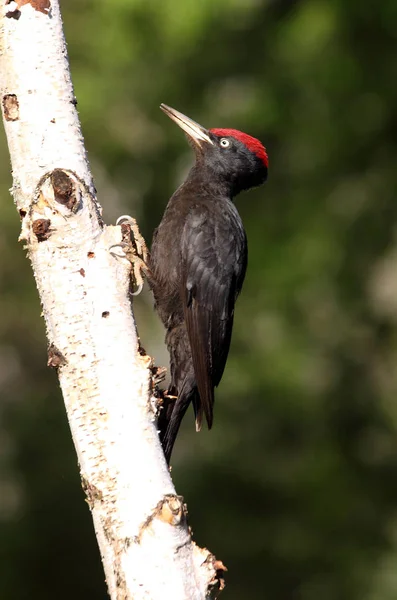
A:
x,y
224,143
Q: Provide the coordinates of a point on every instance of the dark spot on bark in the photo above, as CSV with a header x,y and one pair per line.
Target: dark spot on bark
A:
x,y
120,580
22,213
74,101
90,254
126,542
107,529
105,314
55,357
41,229
64,190
11,107
42,6
91,491
13,14
82,272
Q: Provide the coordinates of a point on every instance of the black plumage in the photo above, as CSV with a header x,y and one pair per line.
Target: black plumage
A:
x,y
198,263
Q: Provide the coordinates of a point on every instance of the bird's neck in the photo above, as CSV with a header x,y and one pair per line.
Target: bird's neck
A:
x,y
203,179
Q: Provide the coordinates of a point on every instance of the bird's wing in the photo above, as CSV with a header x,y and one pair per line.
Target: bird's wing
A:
x,y
214,252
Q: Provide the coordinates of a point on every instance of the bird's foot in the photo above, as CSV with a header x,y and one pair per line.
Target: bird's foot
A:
x,y
165,406
134,249
158,375
164,401
136,235
138,265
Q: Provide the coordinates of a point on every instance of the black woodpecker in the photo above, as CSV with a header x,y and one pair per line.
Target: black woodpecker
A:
x,y
198,263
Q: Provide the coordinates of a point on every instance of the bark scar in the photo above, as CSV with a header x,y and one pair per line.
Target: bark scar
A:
x,y
55,357
64,189
93,494
65,184
171,509
43,6
11,107
41,229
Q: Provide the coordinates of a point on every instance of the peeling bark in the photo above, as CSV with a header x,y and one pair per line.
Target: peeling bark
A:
x,y
107,384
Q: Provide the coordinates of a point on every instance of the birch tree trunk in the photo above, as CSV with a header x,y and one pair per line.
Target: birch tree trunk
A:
x,y
140,522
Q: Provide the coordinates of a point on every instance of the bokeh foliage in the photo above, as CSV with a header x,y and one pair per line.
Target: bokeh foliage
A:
x,y
295,488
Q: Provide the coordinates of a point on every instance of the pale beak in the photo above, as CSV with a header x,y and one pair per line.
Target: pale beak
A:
x,y
195,132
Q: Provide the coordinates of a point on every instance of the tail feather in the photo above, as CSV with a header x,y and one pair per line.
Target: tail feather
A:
x,y
183,385
174,422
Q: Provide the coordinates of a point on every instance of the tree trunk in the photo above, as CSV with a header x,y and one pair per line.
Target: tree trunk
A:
x,y
140,522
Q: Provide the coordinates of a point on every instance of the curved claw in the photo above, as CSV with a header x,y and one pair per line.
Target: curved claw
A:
x,y
126,219
120,245
136,262
138,290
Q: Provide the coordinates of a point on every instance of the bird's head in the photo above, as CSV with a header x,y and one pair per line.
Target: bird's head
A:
x,y
232,156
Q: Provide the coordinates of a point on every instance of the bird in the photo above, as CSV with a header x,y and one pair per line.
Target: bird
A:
x,y
198,262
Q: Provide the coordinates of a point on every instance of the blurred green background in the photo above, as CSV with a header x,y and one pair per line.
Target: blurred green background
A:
x,y
295,489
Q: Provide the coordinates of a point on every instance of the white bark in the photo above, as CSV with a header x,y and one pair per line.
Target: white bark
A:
x,y
139,520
